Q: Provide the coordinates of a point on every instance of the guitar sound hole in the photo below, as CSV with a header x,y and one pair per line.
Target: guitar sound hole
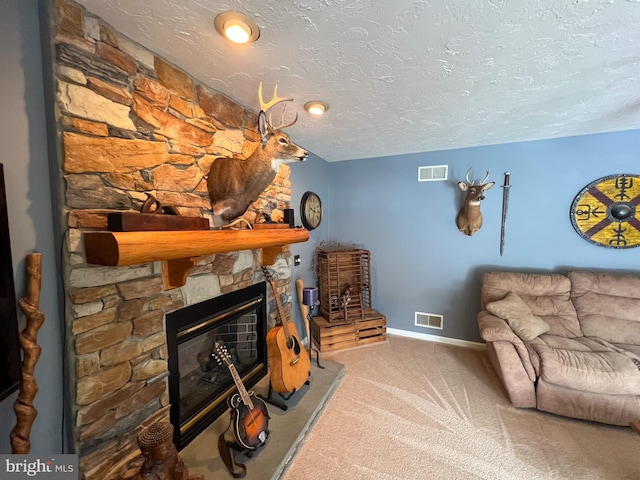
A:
x,y
292,344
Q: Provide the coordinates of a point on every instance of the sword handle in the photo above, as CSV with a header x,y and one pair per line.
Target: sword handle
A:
x,y
506,179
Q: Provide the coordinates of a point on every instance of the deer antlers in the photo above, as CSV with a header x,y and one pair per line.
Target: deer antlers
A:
x,y
264,107
472,182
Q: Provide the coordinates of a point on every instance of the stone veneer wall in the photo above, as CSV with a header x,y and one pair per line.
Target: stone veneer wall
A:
x,y
129,123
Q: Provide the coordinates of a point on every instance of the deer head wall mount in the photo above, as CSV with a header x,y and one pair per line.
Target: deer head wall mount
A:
x,y
234,184
469,219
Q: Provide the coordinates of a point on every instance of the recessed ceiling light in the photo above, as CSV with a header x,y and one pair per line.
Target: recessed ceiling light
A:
x,y
237,27
316,107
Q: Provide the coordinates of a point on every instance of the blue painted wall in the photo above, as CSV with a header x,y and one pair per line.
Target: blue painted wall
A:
x,y
311,175
23,138
421,262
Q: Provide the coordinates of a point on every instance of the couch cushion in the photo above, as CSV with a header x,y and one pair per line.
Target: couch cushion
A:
x,y
597,407
635,349
608,305
546,295
587,364
523,323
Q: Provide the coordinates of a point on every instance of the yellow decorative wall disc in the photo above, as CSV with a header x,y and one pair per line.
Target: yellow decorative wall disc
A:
x,y
607,211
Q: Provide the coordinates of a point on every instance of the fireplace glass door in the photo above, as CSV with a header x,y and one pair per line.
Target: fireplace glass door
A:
x,y
198,384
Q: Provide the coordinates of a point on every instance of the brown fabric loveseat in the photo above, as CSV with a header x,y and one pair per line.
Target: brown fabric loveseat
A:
x,y
566,344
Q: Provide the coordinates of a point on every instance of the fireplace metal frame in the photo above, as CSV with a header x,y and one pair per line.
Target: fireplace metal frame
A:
x,y
197,319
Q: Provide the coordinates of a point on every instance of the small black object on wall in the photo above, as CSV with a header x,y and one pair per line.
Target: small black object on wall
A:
x,y
289,217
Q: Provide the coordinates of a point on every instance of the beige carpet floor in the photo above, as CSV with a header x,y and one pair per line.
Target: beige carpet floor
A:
x,y
411,409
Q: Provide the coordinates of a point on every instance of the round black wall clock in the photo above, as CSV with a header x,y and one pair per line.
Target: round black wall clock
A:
x,y
311,210
607,211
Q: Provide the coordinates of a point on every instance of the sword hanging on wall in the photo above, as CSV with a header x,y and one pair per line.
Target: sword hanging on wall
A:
x,y
505,206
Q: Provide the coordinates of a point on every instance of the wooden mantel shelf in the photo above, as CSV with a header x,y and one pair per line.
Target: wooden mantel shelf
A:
x,y
181,250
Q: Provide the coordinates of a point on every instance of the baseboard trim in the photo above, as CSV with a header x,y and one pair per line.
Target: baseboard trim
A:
x,y
436,338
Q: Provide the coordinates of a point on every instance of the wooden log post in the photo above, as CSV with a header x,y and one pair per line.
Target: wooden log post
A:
x,y
304,310
23,406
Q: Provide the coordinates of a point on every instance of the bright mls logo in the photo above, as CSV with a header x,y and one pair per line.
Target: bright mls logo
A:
x,y
51,467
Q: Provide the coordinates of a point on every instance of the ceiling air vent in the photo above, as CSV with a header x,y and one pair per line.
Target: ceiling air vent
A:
x,y
429,320
433,173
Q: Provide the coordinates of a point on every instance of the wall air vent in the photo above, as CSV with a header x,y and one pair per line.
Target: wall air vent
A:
x,y
429,320
434,173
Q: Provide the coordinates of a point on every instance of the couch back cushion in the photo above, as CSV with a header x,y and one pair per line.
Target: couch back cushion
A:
x,y
608,305
547,295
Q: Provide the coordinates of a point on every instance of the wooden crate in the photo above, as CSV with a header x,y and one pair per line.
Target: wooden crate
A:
x,y
330,336
338,271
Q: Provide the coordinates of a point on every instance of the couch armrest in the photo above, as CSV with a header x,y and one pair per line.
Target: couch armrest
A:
x,y
495,329
521,390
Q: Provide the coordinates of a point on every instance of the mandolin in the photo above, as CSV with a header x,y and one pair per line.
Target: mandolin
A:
x,y
249,414
290,363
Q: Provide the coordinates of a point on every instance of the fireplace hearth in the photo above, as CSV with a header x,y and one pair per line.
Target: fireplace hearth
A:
x,y
198,385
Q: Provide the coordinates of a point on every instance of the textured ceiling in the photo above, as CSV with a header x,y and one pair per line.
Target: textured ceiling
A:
x,y
404,76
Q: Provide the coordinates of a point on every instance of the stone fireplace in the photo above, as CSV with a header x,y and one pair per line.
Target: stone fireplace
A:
x,y
129,124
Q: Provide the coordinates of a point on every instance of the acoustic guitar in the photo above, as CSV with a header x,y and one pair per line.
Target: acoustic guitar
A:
x,y
249,414
290,363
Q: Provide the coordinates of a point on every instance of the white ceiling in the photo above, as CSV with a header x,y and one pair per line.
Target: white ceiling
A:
x,y
405,76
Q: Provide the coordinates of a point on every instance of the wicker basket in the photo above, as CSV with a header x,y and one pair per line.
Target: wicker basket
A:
x,y
344,284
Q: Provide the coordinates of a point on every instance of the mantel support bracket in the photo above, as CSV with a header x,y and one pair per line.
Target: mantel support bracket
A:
x,y
268,255
175,271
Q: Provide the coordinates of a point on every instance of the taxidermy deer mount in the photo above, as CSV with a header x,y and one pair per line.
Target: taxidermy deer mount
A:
x,y
234,184
469,219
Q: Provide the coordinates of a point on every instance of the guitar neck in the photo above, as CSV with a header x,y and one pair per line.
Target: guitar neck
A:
x,y
246,399
283,318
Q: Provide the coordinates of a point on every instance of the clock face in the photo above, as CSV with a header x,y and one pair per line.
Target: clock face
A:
x,y
607,211
311,210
